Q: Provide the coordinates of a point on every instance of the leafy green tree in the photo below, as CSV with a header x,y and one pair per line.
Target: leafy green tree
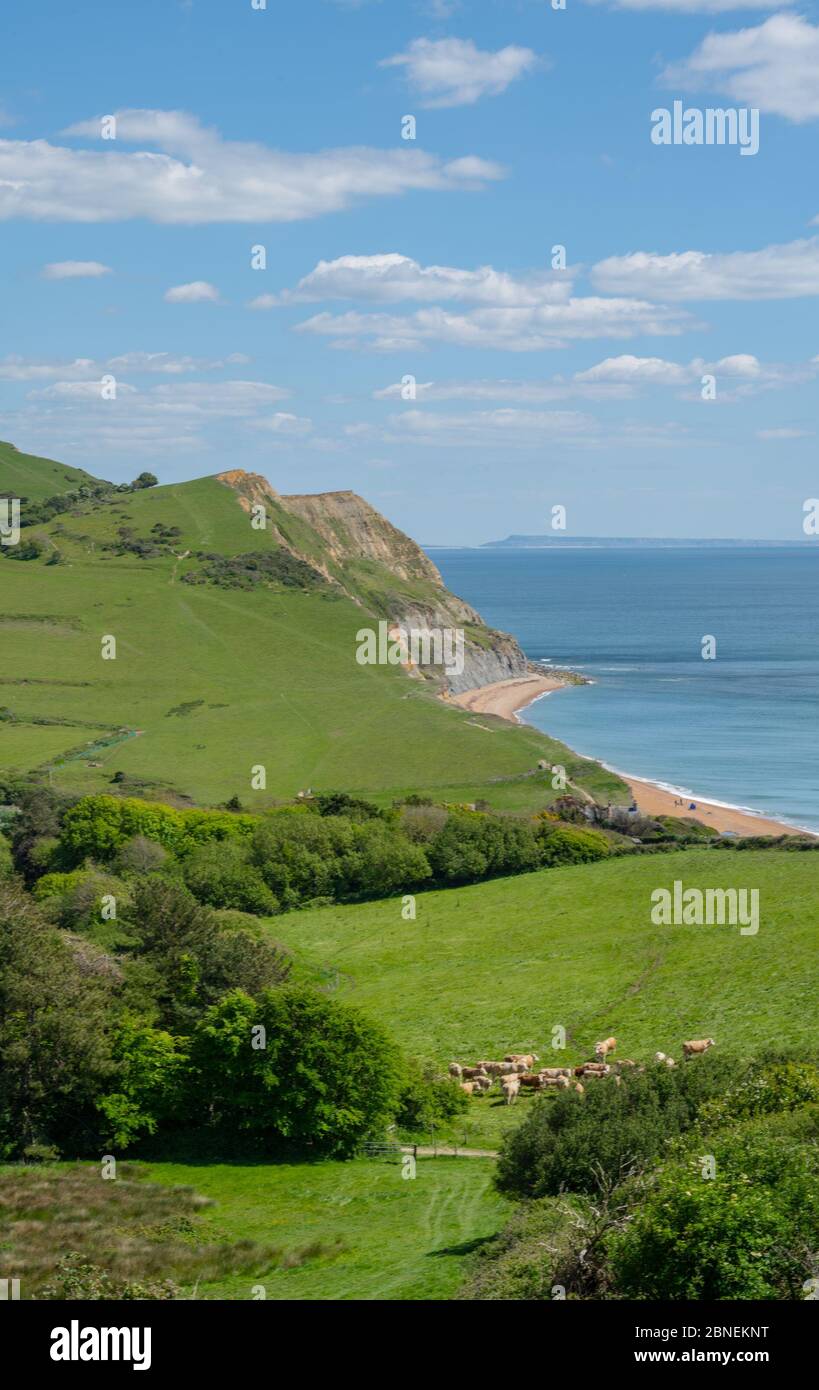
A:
x,y
325,1078
55,1051
220,875
193,962
150,1070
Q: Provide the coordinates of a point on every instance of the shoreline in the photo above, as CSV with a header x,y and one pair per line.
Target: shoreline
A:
x,y
506,699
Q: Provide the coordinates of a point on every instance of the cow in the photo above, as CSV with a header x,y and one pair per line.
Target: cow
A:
x,y
510,1086
531,1080
483,1083
602,1049
528,1057
469,1073
492,1068
692,1049
455,1069
467,1087
556,1071
578,1086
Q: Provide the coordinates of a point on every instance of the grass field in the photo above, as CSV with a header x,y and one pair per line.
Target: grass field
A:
x,y
495,967
397,1238
355,1230
268,677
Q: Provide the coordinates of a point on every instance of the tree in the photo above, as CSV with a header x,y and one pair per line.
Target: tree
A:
x,y
324,1079
192,962
151,1068
55,1051
144,480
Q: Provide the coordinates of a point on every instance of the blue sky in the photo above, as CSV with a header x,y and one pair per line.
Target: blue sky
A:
x,y
389,258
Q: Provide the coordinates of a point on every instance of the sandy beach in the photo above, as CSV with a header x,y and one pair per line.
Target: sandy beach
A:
x,y
506,698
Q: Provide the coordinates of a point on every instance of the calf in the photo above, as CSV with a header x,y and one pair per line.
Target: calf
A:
x,y
602,1049
691,1049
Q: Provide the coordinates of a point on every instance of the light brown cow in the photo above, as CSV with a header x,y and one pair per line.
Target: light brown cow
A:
x,y
492,1068
529,1058
602,1049
579,1087
467,1087
510,1085
483,1083
691,1049
555,1071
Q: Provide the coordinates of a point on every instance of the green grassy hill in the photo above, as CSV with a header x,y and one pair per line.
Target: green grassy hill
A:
x,y
210,681
496,966
24,475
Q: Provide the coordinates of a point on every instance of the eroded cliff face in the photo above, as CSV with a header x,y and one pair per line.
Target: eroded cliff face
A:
x,y
343,531
352,529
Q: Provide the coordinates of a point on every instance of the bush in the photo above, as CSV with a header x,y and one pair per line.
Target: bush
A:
x,y
568,1141
752,1231
563,844
426,1100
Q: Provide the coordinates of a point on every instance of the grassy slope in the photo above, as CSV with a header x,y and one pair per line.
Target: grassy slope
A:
x,y
275,673
24,475
400,1239
494,967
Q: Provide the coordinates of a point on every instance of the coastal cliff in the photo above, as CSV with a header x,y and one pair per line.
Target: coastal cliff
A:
x,y
381,568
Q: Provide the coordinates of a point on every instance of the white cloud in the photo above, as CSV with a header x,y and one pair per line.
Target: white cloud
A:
x,y
189,174
283,423
197,292
455,72
516,330
616,378
525,429
75,270
785,432
165,417
775,272
389,278
14,368
774,67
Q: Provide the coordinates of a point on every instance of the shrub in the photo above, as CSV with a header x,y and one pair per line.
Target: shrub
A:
x,y
563,844
427,1100
751,1231
569,1141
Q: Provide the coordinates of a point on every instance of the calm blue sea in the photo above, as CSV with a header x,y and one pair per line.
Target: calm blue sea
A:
x,y
742,729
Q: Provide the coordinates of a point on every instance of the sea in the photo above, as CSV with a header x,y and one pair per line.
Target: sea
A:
x,y
741,729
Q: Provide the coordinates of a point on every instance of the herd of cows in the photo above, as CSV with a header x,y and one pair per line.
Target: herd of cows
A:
x,y
516,1071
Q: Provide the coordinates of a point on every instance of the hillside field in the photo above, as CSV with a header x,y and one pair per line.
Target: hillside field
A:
x,y
494,967
209,682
